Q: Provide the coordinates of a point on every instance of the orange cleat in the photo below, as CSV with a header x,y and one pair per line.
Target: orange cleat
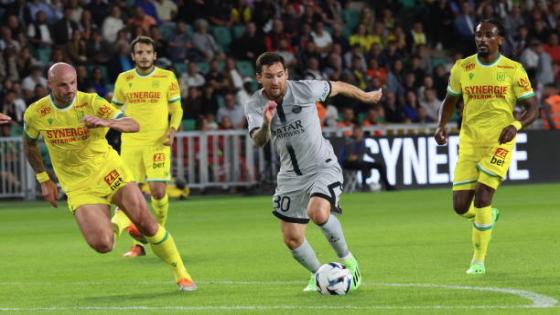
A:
x,y
186,285
136,234
135,251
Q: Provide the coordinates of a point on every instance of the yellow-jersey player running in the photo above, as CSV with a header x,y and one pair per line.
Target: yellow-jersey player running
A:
x,y
73,125
151,96
490,85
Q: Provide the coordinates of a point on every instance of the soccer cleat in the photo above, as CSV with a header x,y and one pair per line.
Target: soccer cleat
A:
x,y
476,268
186,285
495,216
136,234
135,251
352,264
311,284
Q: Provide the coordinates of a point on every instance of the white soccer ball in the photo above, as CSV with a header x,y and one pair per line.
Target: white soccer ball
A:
x,y
333,279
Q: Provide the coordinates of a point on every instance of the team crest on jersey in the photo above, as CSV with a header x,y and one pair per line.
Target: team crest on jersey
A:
x,y
44,111
501,76
155,84
296,109
471,75
50,121
523,82
103,111
80,115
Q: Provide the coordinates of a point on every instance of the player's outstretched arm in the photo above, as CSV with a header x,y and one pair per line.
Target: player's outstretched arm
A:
x,y
339,87
527,117
4,118
445,113
124,124
48,187
262,135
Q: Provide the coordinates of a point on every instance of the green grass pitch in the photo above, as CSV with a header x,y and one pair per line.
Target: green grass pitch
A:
x,y
412,248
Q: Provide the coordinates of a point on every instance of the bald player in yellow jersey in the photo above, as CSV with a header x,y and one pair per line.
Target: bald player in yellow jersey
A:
x,y
151,96
490,85
73,125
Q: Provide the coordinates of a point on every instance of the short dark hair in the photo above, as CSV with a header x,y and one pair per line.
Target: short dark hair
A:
x,y
496,23
142,40
268,59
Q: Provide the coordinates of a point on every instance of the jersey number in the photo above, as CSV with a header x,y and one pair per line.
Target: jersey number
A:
x,y
282,203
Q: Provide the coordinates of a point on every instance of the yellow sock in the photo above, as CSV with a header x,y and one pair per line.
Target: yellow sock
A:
x,y
482,233
164,247
160,208
471,213
120,222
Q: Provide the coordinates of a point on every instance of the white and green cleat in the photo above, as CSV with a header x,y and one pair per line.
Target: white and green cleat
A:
x,y
476,268
352,265
311,285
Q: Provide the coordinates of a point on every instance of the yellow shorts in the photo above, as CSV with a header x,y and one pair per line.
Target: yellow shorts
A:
x,y
482,164
102,189
151,164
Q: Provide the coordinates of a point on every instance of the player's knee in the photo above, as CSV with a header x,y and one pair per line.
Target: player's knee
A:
x,y
483,201
293,242
102,245
147,224
461,207
483,196
158,194
318,214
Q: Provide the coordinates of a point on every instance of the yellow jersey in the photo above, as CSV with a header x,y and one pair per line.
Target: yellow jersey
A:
x,y
77,153
490,92
147,99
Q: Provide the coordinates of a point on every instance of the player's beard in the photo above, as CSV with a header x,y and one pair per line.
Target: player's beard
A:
x,y
483,53
278,93
142,66
64,99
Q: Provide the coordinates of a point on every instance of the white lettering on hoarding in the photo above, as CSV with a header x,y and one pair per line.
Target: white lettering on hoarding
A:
x,y
421,161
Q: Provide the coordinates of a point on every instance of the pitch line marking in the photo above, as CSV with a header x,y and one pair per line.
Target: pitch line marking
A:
x,y
537,300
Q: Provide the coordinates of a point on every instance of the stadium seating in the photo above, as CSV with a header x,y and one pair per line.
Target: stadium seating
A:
x,y
220,100
222,35
203,67
43,55
351,18
245,68
180,68
166,31
238,31
188,124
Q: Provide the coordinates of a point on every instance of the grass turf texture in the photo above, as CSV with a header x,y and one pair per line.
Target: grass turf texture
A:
x,y
412,248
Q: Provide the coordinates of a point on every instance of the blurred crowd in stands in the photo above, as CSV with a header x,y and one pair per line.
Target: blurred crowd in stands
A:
x,y
406,47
